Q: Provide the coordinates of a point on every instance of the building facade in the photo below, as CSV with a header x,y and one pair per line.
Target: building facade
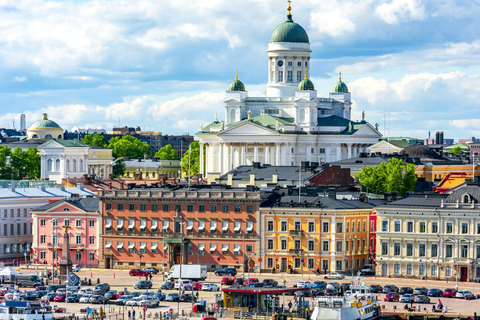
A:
x,y
431,236
153,168
317,233
290,123
81,216
159,227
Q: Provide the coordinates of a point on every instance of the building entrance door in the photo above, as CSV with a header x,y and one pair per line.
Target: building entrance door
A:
x,y
384,270
108,262
177,254
284,264
463,273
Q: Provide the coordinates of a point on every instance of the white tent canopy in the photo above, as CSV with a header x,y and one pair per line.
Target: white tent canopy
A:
x,y
8,272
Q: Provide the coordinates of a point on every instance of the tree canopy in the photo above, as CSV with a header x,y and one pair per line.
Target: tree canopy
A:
x,y
126,146
456,150
19,164
394,175
95,139
167,153
192,156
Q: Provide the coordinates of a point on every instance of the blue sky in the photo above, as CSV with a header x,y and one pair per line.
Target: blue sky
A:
x,y
164,66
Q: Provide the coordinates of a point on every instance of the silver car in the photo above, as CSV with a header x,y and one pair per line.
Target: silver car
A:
x,y
421,299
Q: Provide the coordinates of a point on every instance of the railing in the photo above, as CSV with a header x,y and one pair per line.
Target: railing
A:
x,y
295,251
296,232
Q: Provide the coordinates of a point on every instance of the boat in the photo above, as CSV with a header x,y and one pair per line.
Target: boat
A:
x,y
21,310
358,304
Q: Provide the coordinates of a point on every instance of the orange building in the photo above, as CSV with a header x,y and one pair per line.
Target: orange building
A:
x,y
159,227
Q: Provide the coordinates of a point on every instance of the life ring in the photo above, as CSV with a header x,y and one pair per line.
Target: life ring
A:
x,y
47,303
217,308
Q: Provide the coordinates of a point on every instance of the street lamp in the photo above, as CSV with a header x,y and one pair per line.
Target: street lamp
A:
x,y
180,284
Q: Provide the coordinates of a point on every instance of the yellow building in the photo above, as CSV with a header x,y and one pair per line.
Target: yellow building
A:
x,y
100,161
435,171
431,236
327,234
151,168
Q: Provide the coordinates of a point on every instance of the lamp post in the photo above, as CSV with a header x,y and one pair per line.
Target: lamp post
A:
x,y
244,231
180,284
25,252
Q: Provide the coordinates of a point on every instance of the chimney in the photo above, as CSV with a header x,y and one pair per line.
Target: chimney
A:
x,y
332,193
41,187
252,178
441,137
304,165
256,165
394,195
274,178
61,187
387,196
110,185
12,186
230,179
110,176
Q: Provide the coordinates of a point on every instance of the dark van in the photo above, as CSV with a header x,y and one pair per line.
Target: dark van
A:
x,y
28,280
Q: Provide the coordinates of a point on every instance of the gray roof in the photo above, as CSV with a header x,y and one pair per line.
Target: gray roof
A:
x,y
40,192
285,174
361,161
457,195
84,204
325,203
419,200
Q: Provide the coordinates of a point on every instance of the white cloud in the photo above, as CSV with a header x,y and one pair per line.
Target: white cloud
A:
x,y
19,79
400,11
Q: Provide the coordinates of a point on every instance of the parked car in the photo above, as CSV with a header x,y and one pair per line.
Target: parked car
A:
x,y
226,272
103,286
210,287
76,268
167,285
39,294
85,298
404,290
269,283
435,293
133,302
390,288
61,291
250,280
123,299
449,293
121,293
41,288
334,276
227,281
420,290
60,297
85,291
407,297
138,272
304,284
143,284
239,281
96,298
344,286
49,296
188,297
331,292
152,302
111,295
99,292
160,296
172,297
28,295
421,298
391,297
254,285
376,288
319,284
464,294
72,298
151,270
333,285
197,286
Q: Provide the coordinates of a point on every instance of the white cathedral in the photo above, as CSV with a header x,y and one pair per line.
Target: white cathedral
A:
x,y
288,124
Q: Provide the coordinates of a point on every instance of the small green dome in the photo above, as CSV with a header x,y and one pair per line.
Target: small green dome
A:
x,y
289,31
306,84
45,123
340,86
236,85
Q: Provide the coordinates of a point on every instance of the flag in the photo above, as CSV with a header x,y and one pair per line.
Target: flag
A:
x,y
73,279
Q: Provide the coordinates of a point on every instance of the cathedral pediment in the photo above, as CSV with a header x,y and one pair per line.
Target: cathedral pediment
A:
x,y
248,128
367,130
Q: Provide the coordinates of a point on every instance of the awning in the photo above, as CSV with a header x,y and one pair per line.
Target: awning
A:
x,y
213,247
224,247
143,245
120,223
154,245
250,228
131,223
224,228
202,227
143,224
214,227
154,223
237,228
190,227
165,227
237,248
108,223
108,244
201,247
131,245
119,245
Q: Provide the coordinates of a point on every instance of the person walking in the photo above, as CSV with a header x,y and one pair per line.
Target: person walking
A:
x,y
133,314
129,315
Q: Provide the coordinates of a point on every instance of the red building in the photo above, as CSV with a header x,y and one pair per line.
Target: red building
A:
x,y
373,236
159,227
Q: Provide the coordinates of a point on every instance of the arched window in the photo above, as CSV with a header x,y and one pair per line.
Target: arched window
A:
x,y
233,116
48,136
301,116
80,165
35,136
57,165
67,165
59,136
49,165
66,209
74,167
466,198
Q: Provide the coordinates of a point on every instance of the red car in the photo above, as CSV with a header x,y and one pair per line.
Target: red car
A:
x,y
120,293
392,297
59,298
197,286
449,293
138,272
227,281
250,280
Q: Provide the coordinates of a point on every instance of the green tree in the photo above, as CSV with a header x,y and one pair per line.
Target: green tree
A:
x,y
127,146
456,150
191,159
5,169
393,175
95,139
19,164
167,153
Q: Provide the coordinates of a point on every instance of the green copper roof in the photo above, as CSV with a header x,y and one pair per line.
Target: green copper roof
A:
x,y
236,85
71,143
45,123
306,84
289,31
340,87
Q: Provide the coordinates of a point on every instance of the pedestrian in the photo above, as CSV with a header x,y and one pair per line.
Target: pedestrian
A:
x,y
129,315
317,271
411,303
290,306
440,304
325,269
133,314
150,276
433,308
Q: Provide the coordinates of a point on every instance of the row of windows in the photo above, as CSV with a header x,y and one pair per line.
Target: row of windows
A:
x,y
78,255
325,226
66,222
422,250
78,239
422,227
15,248
226,208
19,230
18,212
71,166
358,245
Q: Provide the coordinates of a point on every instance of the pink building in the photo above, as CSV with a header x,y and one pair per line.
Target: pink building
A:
x,y
82,217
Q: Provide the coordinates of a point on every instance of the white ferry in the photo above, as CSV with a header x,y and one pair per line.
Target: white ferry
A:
x,y
20,310
359,304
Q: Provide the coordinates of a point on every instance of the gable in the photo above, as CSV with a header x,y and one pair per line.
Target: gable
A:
x,y
52,144
368,131
64,207
248,129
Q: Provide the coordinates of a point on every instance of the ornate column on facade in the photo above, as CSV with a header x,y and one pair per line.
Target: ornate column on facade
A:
x,y
232,149
220,157
255,152
339,151
267,153
201,159
277,154
349,150
243,159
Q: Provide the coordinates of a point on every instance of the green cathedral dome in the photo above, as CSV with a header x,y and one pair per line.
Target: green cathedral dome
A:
x,y
45,123
289,31
236,85
306,84
340,86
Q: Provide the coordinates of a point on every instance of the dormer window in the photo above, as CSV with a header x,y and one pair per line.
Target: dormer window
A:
x,y
466,198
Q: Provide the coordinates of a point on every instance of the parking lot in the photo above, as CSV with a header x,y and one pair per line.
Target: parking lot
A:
x,y
120,280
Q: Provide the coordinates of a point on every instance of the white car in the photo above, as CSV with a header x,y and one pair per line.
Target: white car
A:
x,y
12,295
85,291
333,285
133,302
334,275
61,291
76,268
304,284
85,298
149,303
464,294
210,287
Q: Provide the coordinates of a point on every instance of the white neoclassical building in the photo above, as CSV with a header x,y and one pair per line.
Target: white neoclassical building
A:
x,y
290,123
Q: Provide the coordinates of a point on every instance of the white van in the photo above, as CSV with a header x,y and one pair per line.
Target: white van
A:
x,y
368,269
187,284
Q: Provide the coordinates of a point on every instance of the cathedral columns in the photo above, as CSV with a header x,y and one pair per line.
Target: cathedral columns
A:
x,y
243,159
201,159
277,154
232,151
339,152
327,153
349,150
308,151
267,153
255,152
220,156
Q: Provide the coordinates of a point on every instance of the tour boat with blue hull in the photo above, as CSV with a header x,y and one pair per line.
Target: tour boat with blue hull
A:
x,y
358,304
21,310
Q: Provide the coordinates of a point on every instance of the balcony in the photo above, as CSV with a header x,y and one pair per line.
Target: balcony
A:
x,y
296,233
295,251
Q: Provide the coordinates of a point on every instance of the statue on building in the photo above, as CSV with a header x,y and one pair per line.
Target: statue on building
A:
x,y
249,114
277,125
363,115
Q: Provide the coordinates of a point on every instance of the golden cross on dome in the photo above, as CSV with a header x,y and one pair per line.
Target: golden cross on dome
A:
x,y
306,73
340,76
236,74
289,8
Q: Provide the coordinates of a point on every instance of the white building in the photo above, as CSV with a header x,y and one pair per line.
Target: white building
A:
x,y
288,124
